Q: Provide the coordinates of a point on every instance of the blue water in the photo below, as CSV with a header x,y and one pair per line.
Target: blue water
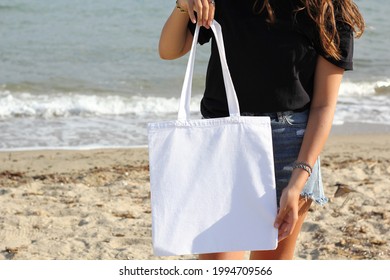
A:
x,y
87,73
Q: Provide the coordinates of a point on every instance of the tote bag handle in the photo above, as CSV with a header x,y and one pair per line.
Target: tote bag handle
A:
x,y
184,107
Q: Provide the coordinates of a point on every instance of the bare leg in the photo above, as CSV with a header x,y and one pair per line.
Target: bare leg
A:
x,y
285,250
286,247
223,256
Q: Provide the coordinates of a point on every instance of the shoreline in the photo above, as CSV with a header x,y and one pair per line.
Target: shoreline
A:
x,y
346,129
355,128
95,204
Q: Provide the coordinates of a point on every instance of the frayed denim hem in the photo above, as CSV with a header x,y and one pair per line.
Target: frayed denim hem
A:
x,y
318,200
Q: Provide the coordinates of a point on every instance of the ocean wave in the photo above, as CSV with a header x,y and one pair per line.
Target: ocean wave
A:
x,y
24,104
80,120
19,105
349,88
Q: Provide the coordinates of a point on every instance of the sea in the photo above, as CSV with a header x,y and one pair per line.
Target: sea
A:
x,y
86,74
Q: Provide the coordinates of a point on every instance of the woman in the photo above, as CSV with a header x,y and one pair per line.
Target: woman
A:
x,y
287,59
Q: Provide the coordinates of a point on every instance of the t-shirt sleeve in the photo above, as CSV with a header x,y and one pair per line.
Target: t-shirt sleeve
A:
x,y
204,33
346,48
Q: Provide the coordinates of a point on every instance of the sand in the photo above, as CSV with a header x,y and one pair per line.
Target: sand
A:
x,y
95,204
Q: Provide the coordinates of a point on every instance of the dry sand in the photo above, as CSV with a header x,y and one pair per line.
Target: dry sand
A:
x,y
95,204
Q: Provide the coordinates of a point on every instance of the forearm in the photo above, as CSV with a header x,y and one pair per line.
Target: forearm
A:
x,y
317,132
173,39
326,86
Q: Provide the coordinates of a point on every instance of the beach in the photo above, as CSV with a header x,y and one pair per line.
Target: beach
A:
x,y
95,204
79,82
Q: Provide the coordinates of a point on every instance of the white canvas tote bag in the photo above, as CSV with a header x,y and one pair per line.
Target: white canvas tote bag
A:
x,y
212,180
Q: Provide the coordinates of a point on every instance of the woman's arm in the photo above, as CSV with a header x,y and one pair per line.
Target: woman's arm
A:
x,y
326,87
176,39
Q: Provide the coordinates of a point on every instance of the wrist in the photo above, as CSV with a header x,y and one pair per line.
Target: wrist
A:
x,y
297,180
303,166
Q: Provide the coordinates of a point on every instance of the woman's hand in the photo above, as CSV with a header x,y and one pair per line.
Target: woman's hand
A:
x,y
205,10
288,212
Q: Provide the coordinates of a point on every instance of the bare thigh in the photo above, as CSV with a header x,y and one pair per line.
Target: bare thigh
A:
x,y
285,250
223,256
286,247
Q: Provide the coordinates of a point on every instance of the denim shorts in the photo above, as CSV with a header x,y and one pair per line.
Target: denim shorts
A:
x,y
288,129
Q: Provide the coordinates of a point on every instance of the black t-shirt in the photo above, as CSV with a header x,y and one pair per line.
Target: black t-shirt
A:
x,y
272,65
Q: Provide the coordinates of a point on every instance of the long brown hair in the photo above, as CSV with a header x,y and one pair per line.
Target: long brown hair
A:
x,y
325,13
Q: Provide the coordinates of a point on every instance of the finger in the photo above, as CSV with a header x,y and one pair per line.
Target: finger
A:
x,y
285,227
191,11
282,236
211,13
192,15
280,218
199,10
283,230
205,12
